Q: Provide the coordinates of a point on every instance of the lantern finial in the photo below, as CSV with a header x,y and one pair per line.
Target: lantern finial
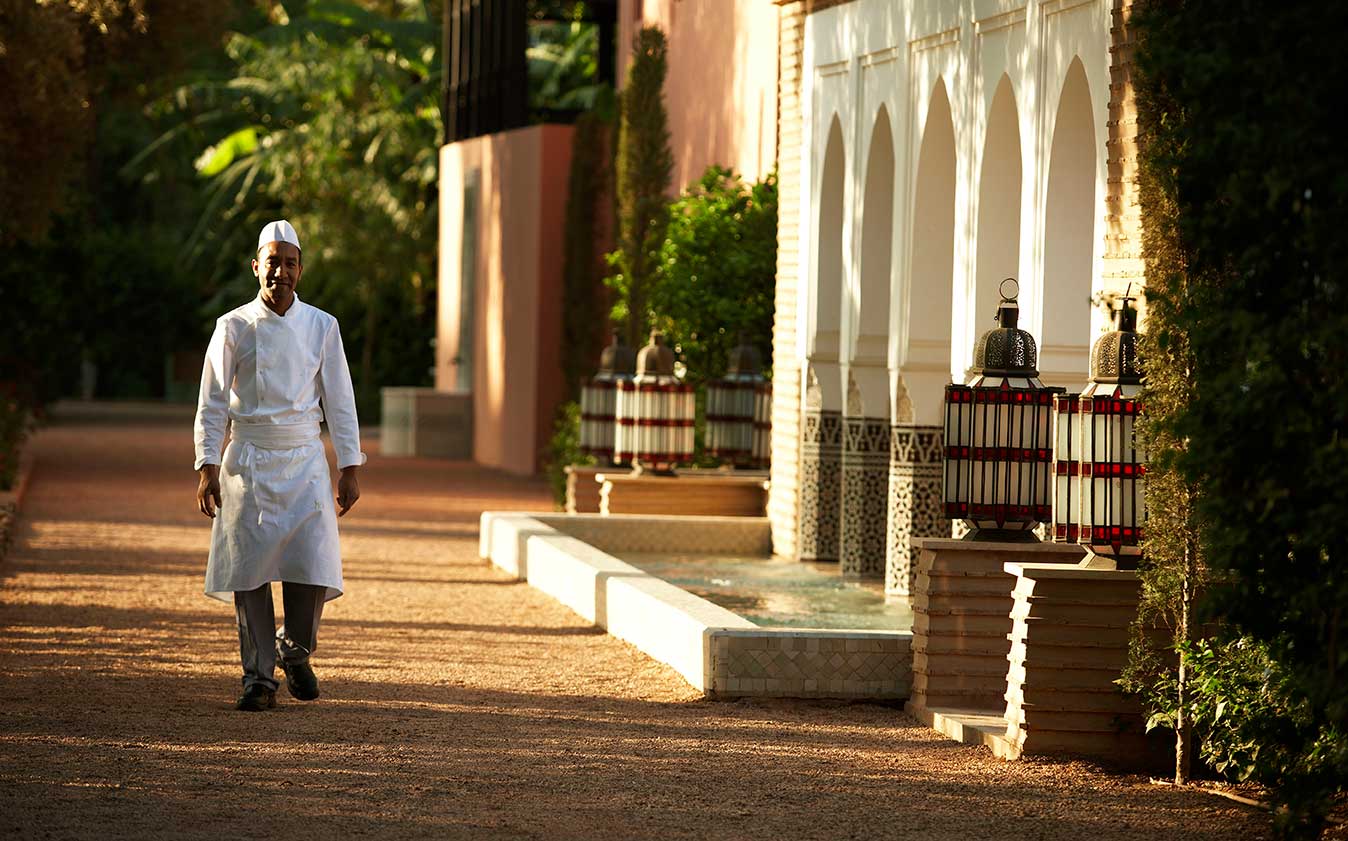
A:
x,y
617,358
1114,356
1008,311
656,358
1006,350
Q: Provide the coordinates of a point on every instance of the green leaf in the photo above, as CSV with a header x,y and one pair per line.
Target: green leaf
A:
x,y
1160,719
217,157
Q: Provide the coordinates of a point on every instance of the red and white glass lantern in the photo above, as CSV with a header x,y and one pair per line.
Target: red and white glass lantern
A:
x,y
998,445
599,400
739,411
655,412
1099,466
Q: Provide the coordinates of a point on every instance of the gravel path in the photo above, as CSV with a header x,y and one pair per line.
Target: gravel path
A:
x,y
455,703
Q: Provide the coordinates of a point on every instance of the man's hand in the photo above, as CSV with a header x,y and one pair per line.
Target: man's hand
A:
x,y
348,490
208,489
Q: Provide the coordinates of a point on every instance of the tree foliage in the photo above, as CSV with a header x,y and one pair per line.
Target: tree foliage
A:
x,y
330,118
85,249
717,271
64,62
563,60
643,173
1239,102
1173,572
588,224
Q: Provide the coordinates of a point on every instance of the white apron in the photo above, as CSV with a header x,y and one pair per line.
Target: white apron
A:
x,y
277,519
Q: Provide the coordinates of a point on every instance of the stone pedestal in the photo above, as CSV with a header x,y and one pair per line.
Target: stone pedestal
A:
x,y
864,488
962,618
820,485
426,422
725,495
914,508
1069,643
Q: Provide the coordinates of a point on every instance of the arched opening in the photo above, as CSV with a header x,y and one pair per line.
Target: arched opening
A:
x,y
998,254
877,235
829,266
933,266
1069,226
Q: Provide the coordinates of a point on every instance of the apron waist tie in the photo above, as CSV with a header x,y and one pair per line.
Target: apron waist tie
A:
x,y
267,436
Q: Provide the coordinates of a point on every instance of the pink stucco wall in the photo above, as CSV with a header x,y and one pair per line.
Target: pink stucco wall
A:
x,y
515,379
721,91
721,98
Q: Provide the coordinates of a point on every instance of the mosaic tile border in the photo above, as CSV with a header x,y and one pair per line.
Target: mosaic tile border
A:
x,y
915,507
864,492
820,485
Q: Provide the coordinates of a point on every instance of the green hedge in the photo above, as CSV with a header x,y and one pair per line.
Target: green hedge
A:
x,y
1240,103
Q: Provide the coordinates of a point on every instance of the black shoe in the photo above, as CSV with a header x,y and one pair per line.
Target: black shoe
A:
x,y
256,698
300,680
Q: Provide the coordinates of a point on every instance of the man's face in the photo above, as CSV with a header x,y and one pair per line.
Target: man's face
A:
x,y
278,271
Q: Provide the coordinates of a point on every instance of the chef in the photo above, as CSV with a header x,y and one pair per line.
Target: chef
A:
x,y
275,368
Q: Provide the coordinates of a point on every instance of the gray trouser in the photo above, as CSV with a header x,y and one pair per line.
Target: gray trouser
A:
x,y
259,639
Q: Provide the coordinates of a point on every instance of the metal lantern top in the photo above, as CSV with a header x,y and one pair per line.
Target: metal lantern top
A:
x,y
1006,350
655,359
745,362
617,360
1114,357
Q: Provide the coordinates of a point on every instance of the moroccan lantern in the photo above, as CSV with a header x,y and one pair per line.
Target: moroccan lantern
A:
x,y
655,412
739,411
599,400
1099,467
998,445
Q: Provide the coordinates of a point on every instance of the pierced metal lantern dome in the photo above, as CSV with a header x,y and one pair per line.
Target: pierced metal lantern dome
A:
x,y
1099,466
599,400
739,410
655,412
1006,350
1114,357
998,442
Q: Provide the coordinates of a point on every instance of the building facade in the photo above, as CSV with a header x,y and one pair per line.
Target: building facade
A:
x,y
928,151
503,188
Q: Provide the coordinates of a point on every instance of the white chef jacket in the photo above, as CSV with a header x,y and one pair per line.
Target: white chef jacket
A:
x,y
273,378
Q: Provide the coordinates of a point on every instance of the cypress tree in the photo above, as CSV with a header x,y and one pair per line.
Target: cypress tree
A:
x,y
644,168
586,209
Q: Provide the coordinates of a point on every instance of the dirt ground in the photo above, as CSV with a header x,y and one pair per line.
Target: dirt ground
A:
x,y
455,703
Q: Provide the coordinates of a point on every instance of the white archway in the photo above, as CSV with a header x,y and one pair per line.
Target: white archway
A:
x,y
999,201
877,238
930,296
1069,221
829,263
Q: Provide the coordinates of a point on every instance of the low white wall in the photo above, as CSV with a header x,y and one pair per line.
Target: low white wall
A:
x,y
714,649
670,624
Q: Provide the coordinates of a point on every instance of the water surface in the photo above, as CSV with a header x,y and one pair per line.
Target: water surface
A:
x,y
780,592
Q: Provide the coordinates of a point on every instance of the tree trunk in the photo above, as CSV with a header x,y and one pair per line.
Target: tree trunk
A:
x,y
1183,727
1184,748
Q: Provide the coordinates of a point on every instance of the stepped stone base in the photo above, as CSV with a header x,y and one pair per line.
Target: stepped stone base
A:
x,y
1069,643
728,495
1068,630
962,617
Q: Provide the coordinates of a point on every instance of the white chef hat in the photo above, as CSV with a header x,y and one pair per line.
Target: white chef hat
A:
x,y
278,231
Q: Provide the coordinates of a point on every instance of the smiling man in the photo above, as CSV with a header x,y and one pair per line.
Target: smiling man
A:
x,y
275,368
